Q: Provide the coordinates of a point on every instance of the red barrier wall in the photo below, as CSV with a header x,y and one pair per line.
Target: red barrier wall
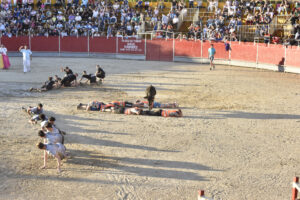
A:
x,y
243,52
187,48
221,52
73,44
131,46
103,45
292,57
274,54
14,43
45,44
161,50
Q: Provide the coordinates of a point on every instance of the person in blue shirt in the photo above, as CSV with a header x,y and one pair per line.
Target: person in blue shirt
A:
x,y
211,56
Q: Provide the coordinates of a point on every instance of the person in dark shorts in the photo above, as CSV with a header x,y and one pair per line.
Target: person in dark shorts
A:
x,y
69,80
150,95
100,73
151,112
90,77
48,85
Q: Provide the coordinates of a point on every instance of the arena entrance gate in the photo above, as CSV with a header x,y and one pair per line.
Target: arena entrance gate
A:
x,y
159,49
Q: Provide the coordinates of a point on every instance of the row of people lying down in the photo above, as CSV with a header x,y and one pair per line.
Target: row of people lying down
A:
x,y
128,108
53,143
70,79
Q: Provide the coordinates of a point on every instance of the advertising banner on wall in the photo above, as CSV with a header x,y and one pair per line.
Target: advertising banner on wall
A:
x,y
131,46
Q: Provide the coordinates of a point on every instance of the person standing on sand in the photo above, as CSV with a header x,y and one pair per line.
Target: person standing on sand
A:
x,y
150,95
3,51
211,56
26,57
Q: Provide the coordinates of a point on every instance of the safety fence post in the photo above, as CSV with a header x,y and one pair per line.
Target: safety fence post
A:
x,y
145,47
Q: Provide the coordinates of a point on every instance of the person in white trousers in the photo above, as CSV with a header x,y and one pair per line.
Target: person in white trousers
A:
x,y
26,57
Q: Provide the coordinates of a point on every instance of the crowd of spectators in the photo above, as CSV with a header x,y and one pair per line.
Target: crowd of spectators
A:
x,y
226,23
116,18
94,18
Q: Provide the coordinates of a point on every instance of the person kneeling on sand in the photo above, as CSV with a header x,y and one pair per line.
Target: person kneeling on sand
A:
x,y
90,78
100,73
48,85
69,80
57,150
51,138
57,81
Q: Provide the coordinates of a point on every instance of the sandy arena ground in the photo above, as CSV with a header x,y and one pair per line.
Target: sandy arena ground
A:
x,y
238,138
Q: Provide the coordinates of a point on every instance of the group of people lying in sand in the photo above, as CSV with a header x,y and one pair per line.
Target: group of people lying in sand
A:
x,y
70,79
53,137
136,108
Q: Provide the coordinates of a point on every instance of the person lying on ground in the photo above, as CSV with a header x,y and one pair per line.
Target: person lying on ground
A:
x,y
69,80
100,73
171,113
119,103
145,104
127,111
34,110
92,106
67,70
90,78
150,95
51,138
100,106
163,113
52,120
57,150
48,85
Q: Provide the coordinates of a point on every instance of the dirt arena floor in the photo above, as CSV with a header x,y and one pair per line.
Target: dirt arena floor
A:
x,y
238,138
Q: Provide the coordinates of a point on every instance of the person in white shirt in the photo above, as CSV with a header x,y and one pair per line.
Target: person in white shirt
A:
x,y
78,18
26,57
57,150
51,138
